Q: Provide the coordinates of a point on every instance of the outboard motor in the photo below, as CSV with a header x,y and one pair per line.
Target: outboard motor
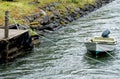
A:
x,y
106,33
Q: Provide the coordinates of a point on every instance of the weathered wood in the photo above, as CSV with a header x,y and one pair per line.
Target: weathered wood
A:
x,y
8,48
6,24
0,56
6,52
13,50
12,33
36,41
14,55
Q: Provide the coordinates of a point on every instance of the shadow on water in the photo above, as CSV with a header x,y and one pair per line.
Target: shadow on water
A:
x,y
103,58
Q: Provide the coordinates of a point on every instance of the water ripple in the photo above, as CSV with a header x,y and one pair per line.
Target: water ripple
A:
x,y
62,54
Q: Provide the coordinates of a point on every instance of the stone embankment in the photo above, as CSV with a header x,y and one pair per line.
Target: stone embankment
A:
x,y
42,21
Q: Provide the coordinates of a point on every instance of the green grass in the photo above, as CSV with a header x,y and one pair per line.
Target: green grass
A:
x,y
20,8
17,9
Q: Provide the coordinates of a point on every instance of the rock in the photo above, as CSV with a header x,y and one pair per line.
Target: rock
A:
x,y
45,20
92,8
86,7
50,26
56,13
98,4
53,26
81,12
52,5
69,18
52,18
51,8
29,18
47,8
74,15
77,9
14,26
63,21
61,18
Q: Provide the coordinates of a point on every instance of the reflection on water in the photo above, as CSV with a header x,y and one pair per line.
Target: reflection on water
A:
x,y
62,55
103,58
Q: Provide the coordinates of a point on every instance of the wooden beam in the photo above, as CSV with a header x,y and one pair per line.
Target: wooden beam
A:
x,y
6,24
6,52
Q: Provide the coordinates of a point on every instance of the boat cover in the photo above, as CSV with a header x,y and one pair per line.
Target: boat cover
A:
x,y
103,40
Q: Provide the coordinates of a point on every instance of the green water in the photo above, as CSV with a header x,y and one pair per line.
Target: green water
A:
x,y
62,55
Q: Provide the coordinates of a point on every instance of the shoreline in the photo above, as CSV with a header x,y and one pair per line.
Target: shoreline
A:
x,y
61,18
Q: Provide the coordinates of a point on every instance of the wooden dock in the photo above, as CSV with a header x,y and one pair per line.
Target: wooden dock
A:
x,y
12,33
12,41
17,40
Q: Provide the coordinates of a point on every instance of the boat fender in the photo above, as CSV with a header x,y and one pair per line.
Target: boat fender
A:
x,y
106,33
91,40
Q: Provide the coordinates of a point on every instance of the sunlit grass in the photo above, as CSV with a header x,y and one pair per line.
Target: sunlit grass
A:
x,y
17,10
20,8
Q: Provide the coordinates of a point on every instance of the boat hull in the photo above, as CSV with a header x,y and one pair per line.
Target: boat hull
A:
x,y
99,47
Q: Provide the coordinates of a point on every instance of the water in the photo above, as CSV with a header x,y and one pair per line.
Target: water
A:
x,y
62,55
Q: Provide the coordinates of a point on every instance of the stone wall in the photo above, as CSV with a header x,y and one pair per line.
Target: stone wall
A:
x,y
60,18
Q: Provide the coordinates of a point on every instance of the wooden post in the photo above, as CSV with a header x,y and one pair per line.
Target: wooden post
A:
x,y
6,35
6,24
6,52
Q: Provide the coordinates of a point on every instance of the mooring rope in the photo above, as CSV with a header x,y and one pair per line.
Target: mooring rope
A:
x,y
85,56
49,40
13,19
108,53
96,60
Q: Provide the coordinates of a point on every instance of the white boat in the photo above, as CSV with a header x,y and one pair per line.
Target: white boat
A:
x,y
100,44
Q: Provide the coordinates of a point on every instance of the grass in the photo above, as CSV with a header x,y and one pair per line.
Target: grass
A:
x,y
20,8
17,9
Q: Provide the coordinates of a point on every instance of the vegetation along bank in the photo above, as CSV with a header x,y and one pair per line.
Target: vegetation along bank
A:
x,y
47,15
44,16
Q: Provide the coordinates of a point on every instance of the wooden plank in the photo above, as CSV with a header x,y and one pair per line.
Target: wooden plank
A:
x,y
12,33
0,56
15,55
12,50
36,41
6,53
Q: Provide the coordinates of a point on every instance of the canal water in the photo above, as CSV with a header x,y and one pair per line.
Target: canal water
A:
x,y
62,54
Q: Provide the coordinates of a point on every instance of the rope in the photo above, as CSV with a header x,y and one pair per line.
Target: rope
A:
x,y
15,22
108,53
49,40
13,19
96,60
111,55
85,55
